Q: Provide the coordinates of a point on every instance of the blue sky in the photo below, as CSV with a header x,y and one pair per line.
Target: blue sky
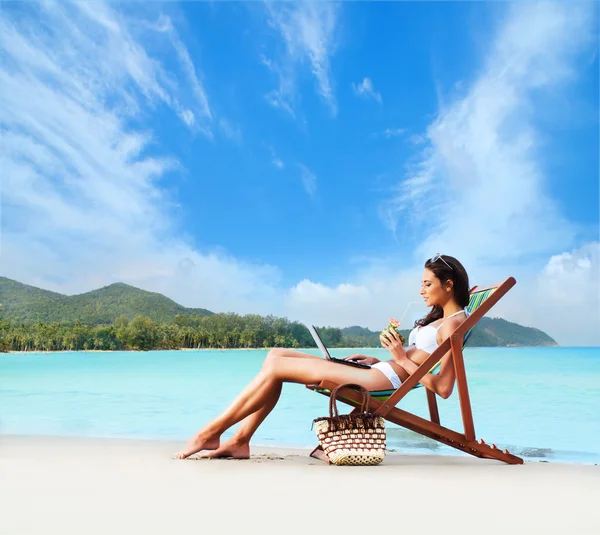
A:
x,y
305,159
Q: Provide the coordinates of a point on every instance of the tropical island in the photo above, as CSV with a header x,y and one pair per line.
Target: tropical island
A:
x,y
121,317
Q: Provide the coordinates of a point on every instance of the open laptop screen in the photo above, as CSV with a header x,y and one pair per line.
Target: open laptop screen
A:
x,y
319,342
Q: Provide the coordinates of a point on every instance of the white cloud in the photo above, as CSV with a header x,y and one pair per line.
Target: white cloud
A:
x,y
268,63
216,281
308,31
568,296
481,174
277,99
188,117
376,294
81,204
478,190
123,51
366,90
190,70
309,180
389,133
275,159
562,298
230,131
417,139
284,95
322,305
393,132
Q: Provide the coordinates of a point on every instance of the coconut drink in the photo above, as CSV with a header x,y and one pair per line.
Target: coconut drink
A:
x,y
394,324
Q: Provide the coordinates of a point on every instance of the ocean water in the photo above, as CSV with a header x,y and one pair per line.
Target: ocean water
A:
x,y
540,403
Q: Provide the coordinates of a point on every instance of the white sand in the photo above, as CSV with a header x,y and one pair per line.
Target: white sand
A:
x,y
88,486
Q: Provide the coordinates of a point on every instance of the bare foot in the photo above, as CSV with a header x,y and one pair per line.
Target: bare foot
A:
x,y
233,448
197,443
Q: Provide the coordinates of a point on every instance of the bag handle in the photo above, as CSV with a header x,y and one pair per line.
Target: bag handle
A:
x,y
364,407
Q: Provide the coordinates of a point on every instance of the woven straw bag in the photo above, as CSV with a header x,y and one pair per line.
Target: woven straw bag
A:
x,y
352,439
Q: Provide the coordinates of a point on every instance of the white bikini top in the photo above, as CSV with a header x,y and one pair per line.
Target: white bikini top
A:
x,y
425,338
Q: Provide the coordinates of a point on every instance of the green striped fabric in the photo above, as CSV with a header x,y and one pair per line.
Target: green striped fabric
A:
x,y
474,303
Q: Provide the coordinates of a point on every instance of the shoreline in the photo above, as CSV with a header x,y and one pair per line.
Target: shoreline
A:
x,y
40,351
142,350
265,448
261,448
129,486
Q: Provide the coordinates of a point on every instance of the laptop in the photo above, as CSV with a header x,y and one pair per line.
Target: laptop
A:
x,y
326,354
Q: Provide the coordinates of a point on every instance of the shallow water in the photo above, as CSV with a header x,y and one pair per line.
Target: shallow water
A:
x,y
540,403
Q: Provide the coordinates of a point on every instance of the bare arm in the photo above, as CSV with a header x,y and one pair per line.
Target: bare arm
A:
x,y
442,383
363,359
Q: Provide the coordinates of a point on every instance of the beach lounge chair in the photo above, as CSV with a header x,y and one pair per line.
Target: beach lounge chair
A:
x,y
385,402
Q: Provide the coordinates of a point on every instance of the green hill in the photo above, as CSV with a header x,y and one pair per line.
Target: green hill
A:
x,y
499,332
489,332
25,304
20,303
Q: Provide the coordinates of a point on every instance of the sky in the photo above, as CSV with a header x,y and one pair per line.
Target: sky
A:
x,y
305,159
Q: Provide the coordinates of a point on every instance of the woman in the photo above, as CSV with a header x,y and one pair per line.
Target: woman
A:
x,y
444,287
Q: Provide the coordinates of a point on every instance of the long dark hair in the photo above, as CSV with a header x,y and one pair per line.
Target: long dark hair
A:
x,y
457,274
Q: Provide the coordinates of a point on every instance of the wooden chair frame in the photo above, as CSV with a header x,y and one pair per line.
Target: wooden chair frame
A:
x,y
432,428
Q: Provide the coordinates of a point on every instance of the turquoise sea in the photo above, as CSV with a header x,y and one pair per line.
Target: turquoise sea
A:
x,y
540,403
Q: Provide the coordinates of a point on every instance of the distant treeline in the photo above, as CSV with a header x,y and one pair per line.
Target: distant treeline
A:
x,y
227,331
120,316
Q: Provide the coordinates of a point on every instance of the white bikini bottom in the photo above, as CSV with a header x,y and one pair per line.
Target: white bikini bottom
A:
x,y
388,371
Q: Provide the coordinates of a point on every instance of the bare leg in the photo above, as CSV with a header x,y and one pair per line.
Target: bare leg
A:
x,y
209,437
251,423
238,446
259,393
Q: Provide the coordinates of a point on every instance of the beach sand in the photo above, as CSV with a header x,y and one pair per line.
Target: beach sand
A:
x,y
55,485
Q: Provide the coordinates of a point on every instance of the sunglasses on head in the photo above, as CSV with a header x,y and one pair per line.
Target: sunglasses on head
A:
x,y
437,257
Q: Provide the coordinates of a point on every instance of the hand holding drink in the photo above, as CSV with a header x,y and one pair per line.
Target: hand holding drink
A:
x,y
394,324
